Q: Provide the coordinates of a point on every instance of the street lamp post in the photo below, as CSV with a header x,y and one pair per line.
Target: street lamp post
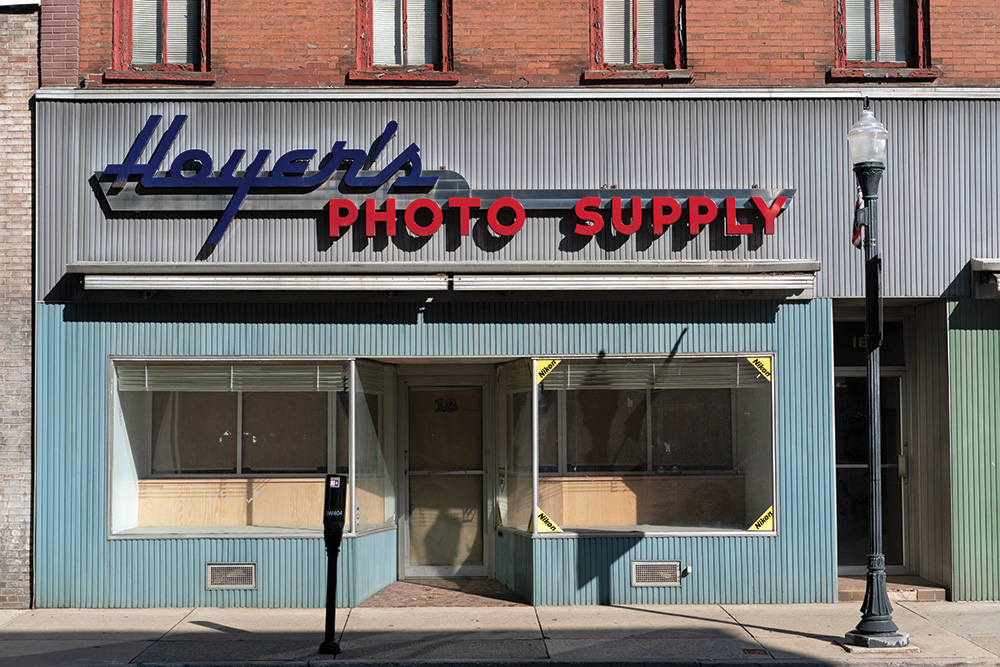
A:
x,y
867,140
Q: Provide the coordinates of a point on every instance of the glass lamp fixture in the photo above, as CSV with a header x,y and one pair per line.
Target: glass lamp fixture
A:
x,y
868,140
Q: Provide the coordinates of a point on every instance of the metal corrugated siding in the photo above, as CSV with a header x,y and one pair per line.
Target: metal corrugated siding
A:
x,y
797,565
974,351
514,563
372,564
939,206
928,513
77,566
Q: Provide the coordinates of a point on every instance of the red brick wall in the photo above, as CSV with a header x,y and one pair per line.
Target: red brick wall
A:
x,y
766,43
546,44
19,64
279,44
520,44
965,41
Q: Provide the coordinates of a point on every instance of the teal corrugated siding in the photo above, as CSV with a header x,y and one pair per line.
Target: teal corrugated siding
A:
x,y
514,563
797,565
172,573
974,350
372,564
77,566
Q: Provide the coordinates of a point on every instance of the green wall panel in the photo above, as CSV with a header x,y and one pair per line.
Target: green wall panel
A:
x,y
974,340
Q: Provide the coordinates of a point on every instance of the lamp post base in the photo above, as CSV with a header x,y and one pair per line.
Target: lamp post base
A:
x,y
329,647
877,639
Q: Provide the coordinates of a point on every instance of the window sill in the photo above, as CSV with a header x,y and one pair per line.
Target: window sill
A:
x,y
642,531
157,76
862,73
237,532
637,75
416,77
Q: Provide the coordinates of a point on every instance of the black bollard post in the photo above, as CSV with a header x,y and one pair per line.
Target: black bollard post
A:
x,y
333,532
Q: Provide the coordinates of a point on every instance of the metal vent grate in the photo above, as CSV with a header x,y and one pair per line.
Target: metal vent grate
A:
x,y
656,573
232,575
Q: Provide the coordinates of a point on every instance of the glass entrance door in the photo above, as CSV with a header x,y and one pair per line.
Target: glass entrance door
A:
x,y
851,403
443,459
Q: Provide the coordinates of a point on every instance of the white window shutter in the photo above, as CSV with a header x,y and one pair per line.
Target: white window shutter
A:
x,y
423,39
617,32
651,23
387,32
146,21
183,31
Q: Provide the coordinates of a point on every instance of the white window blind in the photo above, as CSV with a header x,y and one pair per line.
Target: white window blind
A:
x,y
677,374
423,32
387,29
894,27
183,31
137,376
423,18
146,22
650,29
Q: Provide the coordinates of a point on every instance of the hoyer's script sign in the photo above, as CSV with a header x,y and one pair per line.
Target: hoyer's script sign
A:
x,y
343,187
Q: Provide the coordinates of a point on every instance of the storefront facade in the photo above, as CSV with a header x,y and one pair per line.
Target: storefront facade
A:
x,y
451,299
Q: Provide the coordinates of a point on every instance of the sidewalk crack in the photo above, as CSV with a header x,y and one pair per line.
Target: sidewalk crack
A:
x,y
541,632
746,630
177,624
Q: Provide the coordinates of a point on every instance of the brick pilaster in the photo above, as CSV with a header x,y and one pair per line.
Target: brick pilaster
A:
x,y
19,64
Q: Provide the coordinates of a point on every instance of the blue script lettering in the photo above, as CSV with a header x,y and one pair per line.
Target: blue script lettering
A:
x,y
192,169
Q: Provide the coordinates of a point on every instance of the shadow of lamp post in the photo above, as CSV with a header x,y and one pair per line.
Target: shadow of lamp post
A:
x,y
868,142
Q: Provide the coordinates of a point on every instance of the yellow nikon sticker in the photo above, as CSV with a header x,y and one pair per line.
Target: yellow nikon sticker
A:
x,y
762,364
544,524
499,518
765,522
545,366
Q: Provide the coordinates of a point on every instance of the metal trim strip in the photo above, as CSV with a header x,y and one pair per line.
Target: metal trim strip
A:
x,y
266,283
752,266
803,283
518,94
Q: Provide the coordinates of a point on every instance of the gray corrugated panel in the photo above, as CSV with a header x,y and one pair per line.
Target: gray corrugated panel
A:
x,y
928,511
939,207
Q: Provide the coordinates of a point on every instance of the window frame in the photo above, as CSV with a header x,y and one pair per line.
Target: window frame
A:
x,y
506,453
917,67
238,394
356,390
122,69
674,69
366,71
562,444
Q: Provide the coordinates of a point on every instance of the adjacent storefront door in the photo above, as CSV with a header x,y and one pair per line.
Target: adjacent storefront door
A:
x,y
445,478
851,407
851,403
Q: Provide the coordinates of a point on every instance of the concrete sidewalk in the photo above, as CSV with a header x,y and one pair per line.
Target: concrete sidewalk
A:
x,y
942,633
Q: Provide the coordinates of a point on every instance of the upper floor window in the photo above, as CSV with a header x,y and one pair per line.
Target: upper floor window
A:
x,y
408,40
159,38
879,30
637,39
877,36
406,33
166,33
